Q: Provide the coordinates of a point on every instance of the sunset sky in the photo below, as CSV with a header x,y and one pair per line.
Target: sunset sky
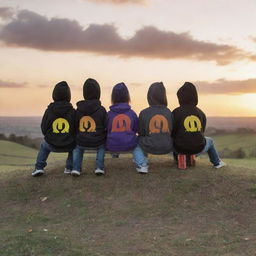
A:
x,y
209,43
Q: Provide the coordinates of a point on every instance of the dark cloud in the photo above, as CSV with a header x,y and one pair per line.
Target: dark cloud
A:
x,y
223,86
6,13
32,30
120,1
9,84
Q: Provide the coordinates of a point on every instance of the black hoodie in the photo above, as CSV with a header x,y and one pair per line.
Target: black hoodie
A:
x,y
90,117
189,122
58,123
155,122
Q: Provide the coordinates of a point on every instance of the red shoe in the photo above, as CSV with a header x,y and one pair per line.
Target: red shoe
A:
x,y
192,160
182,162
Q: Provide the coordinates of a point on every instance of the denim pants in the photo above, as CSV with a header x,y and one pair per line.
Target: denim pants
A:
x,y
44,151
139,157
78,154
212,152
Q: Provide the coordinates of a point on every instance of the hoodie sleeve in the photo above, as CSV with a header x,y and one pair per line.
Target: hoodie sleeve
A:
x,y
204,121
175,122
142,131
76,120
172,123
45,122
105,122
136,123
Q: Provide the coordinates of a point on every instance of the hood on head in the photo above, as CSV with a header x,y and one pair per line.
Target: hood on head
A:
x,y
61,92
120,94
87,107
91,89
157,94
187,94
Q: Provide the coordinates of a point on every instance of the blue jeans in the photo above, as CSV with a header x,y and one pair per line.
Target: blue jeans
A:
x,y
212,152
44,151
78,154
139,157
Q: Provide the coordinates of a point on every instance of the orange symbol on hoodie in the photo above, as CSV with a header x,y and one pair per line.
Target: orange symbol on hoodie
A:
x,y
158,123
87,124
121,123
60,125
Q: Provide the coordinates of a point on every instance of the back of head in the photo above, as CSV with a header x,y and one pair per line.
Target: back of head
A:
x,y
91,89
61,92
187,94
120,94
157,94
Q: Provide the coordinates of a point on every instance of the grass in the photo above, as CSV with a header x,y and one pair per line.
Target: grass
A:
x,y
201,211
234,141
14,156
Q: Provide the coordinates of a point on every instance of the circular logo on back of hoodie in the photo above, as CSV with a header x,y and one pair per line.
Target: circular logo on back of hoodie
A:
x,y
121,123
60,125
158,124
87,124
192,124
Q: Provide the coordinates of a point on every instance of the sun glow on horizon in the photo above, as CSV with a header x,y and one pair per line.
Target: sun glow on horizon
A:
x,y
248,101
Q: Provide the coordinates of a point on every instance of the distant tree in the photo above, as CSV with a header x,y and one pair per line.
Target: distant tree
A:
x,y
215,131
12,137
2,136
25,140
244,130
239,153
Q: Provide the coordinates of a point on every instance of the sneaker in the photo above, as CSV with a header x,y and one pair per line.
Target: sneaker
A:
x,y
192,160
99,172
37,173
221,164
75,173
142,169
67,171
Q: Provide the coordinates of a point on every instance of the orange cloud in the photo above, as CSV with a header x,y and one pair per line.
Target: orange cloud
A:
x,y
32,30
223,86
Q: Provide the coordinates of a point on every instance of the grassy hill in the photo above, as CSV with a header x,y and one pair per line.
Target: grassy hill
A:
x,y
198,212
234,141
14,156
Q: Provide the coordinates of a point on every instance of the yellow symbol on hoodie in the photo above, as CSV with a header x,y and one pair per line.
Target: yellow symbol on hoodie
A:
x,y
87,124
158,123
192,124
60,125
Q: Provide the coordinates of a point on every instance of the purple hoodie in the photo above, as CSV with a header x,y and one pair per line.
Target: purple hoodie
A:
x,y
122,126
